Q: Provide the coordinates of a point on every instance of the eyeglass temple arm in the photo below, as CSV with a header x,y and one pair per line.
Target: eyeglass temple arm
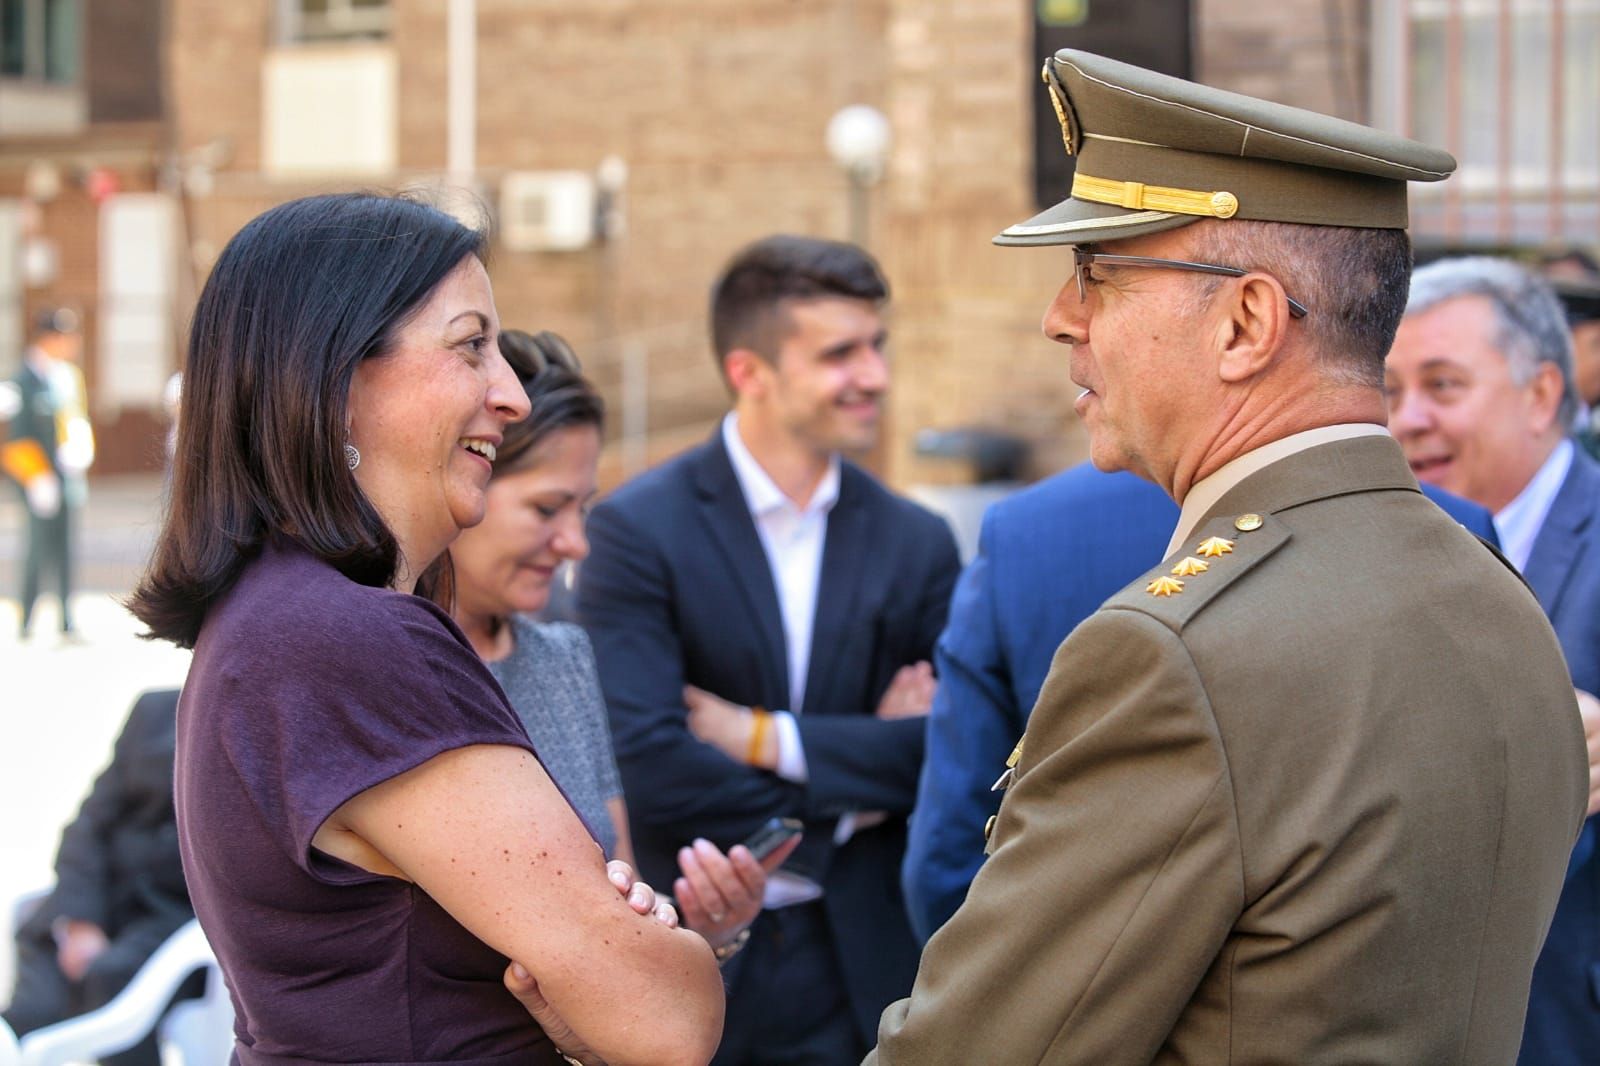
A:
x,y
1296,308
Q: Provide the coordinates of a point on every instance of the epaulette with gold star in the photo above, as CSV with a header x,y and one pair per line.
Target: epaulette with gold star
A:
x,y
1213,557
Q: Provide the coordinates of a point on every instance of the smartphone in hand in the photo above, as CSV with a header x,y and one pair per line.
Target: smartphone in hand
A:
x,y
772,836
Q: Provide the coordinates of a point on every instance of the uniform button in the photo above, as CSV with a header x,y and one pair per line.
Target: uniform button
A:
x,y
988,827
1247,523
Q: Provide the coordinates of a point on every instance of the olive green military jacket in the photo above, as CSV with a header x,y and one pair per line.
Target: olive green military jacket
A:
x,y
1314,806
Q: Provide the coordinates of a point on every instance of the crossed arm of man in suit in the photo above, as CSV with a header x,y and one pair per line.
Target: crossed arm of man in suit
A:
x,y
651,643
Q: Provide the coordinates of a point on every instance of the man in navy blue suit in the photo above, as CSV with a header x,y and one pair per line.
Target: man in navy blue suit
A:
x,y
1481,399
763,615
1047,558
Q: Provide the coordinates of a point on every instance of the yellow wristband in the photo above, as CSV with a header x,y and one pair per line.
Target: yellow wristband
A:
x,y
760,724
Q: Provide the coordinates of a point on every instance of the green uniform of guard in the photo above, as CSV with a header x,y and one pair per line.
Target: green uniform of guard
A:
x,y
1305,792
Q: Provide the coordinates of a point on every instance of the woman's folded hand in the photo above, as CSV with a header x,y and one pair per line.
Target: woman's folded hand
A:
x,y
640,896
522,984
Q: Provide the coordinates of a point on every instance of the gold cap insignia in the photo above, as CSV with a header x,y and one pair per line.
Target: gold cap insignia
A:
x,y
1246,523
1190,566
1164,586
1212,547
1063,111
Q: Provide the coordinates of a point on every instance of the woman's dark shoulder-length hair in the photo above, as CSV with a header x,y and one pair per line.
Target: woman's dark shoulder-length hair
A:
x,y
297,299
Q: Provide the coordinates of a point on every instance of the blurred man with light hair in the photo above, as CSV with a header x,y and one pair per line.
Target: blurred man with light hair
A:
x,y
1481,397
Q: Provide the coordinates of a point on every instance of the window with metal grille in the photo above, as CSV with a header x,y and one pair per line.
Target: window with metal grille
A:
x,y
1511,88
39,40
334,20
1147,33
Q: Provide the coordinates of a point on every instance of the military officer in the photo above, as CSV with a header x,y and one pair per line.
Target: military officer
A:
x,y
48,453
1305,791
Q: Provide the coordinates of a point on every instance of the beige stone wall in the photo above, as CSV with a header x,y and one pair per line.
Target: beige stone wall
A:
x,y
967,317
719,107
1307,53
214,75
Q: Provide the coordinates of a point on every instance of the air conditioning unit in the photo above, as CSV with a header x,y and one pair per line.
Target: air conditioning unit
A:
x,y
547,210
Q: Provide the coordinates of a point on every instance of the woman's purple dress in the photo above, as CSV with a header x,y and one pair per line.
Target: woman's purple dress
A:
x,y
307,689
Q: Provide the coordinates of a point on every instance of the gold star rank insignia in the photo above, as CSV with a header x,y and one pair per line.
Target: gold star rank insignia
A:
x,y
1190,566
1164,586
1212,547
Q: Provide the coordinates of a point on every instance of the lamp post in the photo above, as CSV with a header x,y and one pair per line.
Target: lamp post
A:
x,y
858,140
461,93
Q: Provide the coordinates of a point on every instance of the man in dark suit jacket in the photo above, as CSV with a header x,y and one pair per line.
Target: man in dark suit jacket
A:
x,y
763,614
119,885
1481,396
1048,557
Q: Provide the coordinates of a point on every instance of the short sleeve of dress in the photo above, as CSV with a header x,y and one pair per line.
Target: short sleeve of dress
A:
x,y
354,693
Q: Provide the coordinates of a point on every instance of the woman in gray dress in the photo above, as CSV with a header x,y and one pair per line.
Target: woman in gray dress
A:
x,y
543,480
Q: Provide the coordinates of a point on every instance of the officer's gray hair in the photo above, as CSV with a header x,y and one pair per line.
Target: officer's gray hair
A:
x,y
1352,280
1530,326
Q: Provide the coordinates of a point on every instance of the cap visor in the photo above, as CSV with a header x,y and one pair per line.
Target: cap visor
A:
x,y
1082,222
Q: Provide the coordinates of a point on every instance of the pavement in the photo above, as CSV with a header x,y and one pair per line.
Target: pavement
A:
x,y
62,704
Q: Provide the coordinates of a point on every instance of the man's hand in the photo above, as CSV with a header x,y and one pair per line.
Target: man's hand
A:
x,y
910,694
729,728
522,984
43,492
1589,711
78,944
722,894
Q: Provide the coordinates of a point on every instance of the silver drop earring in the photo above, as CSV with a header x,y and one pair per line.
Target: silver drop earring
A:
x,y
352,457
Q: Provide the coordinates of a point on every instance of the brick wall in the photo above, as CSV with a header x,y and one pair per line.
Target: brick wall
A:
x,y
127,440
719,109
1306,53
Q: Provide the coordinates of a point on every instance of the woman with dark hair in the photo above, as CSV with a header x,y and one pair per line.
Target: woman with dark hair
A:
x,y
535,507
367,833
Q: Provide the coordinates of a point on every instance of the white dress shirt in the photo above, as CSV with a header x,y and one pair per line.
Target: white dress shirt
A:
x,y
1518,522
1204,494
792,537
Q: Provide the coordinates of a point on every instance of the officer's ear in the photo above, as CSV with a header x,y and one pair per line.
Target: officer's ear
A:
x,y
1252,325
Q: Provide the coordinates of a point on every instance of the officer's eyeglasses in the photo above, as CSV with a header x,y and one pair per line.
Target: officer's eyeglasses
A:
x,y
1082,260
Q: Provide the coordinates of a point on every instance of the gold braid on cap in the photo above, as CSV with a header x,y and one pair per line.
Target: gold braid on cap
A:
x,y
1063,116
1137,196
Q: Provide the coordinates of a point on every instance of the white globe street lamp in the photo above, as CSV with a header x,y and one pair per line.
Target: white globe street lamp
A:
x,y
858,140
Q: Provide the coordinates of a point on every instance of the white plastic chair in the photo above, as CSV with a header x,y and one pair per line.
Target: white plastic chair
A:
x,y
194,1037
10,1054
199,1032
